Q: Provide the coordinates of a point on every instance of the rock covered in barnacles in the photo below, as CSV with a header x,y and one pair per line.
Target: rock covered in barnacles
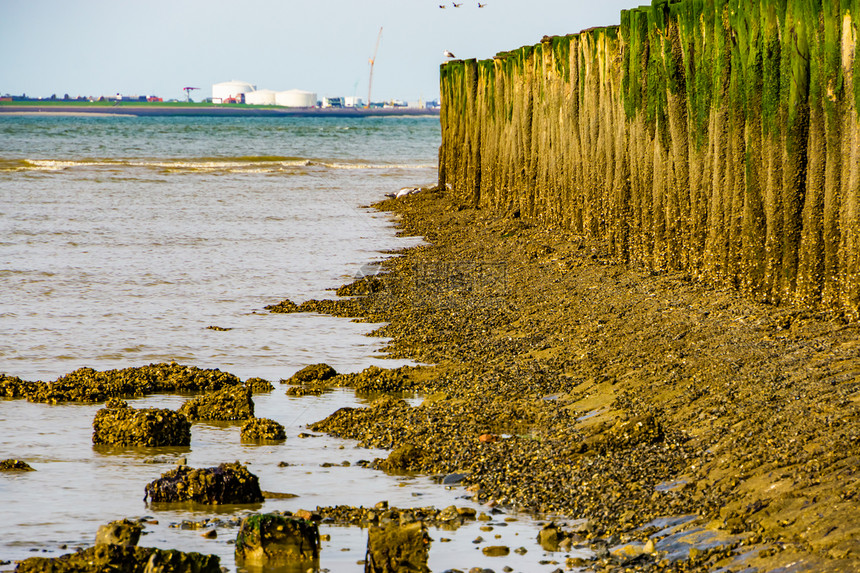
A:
x,y
345,420
88,385
496,550
232,403
107,557
634,431
449,518
15,465
550,536
312,373
116,403
396,548
363,286
14,387
348,307
227,483
376,379
402,458
259,385
120,532
260,429
121,425
274,540
299,391
286,306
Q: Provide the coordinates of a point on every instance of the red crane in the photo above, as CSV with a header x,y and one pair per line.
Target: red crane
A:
x,y
188,93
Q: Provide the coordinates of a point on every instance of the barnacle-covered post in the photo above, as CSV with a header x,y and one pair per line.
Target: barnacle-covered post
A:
x,y
393,548
274,540
720,138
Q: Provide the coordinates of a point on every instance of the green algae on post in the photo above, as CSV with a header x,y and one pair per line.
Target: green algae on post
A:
x,y
273,540
714,137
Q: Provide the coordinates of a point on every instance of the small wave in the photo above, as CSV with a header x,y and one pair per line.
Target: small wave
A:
x,y
336,165
14,164
205,164
231,166
245,164
60,165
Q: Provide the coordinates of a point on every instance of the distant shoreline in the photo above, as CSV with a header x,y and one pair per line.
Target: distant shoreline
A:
x,y
204,110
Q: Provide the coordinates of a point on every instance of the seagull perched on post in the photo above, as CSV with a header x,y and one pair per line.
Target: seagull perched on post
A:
x,y
448,54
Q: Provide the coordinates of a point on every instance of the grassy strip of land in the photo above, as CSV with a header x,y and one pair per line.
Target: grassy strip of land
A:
x,y
199,109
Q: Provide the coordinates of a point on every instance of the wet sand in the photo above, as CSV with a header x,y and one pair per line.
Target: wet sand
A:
x,y
566,384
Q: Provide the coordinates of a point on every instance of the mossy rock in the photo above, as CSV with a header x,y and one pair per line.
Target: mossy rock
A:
x,y
363,286
402,458
350,422
376,379
14,387
346,307
225,484
299,391
148,427
15,465
233,403
106,557
259,385
116,403
396,548
313,373
121,532
88,385
286,306
274,540
262,429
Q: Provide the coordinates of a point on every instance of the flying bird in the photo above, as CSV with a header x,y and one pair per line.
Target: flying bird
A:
x,y
481,5
448,54
457,5
442,6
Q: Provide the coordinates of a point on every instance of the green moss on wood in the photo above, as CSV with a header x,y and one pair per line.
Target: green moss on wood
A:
x,y
712,136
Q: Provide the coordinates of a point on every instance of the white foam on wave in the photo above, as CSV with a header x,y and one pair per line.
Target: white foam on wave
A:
x,y
249,165
57,165
227,165
333,165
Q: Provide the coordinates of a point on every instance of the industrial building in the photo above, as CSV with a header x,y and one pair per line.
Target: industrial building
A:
x,y
243,92
231,92
260,97
296,98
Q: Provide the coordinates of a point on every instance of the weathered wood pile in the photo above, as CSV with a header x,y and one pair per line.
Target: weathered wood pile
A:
x,y
716,137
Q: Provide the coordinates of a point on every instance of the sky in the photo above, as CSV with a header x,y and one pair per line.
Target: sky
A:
x,y
157,47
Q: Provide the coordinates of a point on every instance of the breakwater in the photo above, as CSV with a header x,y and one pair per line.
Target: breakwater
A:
x,y
714,137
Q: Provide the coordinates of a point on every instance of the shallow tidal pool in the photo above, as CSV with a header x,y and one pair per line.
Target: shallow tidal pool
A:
x,y
78,486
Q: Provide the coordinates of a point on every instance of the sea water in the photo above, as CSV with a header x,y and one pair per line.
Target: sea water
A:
x,y
123,239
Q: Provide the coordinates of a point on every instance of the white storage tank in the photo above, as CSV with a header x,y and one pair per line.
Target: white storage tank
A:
x,y
230,91
296,98
260,97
